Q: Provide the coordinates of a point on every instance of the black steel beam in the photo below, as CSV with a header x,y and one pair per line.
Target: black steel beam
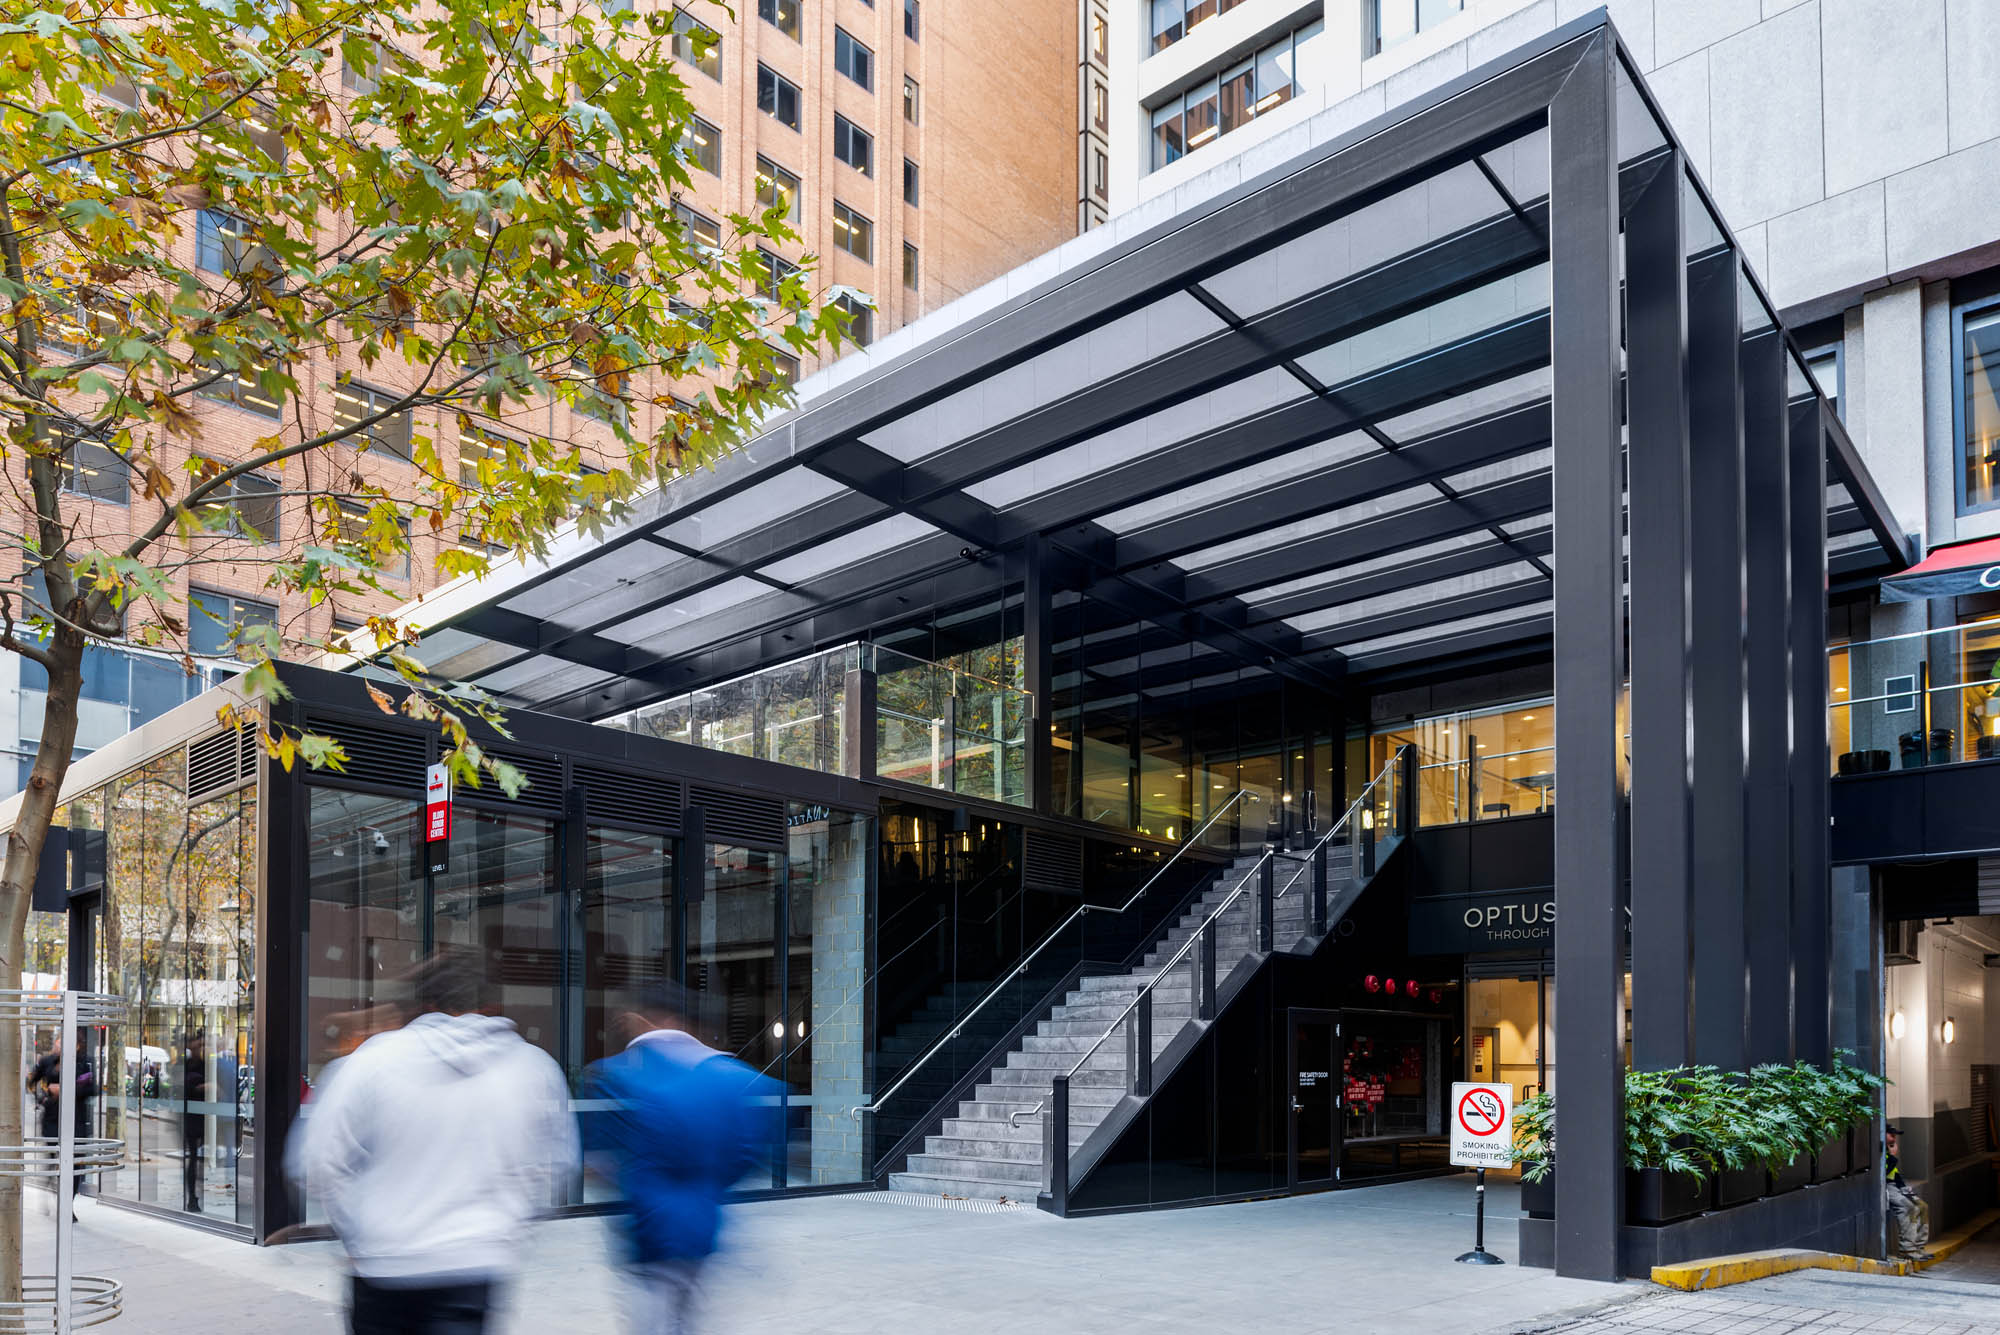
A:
x,y
1454,645
1812,999
1661,717
1716,442
1590,852
1416,574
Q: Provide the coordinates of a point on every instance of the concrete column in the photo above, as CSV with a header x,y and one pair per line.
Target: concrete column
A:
x,y
1889,430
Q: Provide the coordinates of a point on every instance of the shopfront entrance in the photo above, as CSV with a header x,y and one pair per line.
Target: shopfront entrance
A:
x,y
1314,1049
1510,1024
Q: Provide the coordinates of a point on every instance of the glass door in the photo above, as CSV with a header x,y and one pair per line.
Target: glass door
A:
x,y
1313,1148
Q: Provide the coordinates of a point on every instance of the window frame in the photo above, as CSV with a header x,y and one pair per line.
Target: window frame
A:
x,y
773,12
854,224
776,270
861,320
913,24
779,86
686,28
777,175
377,445
1372,44
913,192
702,159
855,133
912,94
689,216
199,597
235,388
912,269
68,464
857,53
232,500
1962,313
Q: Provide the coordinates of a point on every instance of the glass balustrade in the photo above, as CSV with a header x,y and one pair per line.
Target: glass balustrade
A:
x,y
1929,697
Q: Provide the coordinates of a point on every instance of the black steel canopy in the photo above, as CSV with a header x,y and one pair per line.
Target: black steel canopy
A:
x,y
1307,419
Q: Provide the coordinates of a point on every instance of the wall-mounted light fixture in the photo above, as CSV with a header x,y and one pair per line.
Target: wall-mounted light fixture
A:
x,y
1948,1030
1896,1025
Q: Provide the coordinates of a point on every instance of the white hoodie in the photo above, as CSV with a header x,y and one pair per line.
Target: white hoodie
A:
x,y
436,1145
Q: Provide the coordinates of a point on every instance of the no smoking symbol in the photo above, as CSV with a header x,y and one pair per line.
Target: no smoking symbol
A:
x,y
1480,1112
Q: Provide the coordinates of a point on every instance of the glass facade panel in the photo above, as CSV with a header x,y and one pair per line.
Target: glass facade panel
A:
x,y
628,929
1979,456
499,905
826,974
732,980
1470,767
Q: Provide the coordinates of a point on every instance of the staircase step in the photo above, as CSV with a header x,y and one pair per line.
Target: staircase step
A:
x,y
984,1147
963,1169
923,1184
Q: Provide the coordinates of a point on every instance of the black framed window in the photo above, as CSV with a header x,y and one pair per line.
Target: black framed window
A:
x,y
853,59
1393,21
853,145
861,320
243,388
1254,87
226,244
782,15
853,233
354,403
701,229
1828,364
910,182
777,97
1976,352
909,99
909,266
704,145
92,469
776,270
697,44
213,615
247,508
777,188
912,27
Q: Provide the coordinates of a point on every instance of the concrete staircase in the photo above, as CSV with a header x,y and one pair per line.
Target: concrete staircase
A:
x,y
980,1153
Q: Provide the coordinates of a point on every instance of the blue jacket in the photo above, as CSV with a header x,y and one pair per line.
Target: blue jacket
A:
x,y
679,1125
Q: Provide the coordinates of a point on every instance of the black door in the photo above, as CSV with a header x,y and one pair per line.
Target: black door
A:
x,y
1313,1086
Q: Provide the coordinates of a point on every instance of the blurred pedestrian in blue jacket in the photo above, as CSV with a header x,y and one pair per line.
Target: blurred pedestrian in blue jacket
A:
x,y
676,1125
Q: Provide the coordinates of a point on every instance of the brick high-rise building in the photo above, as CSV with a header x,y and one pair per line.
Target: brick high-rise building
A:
x,y
917,163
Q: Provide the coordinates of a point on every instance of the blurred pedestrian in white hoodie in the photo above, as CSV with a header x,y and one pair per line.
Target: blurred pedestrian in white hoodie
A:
x,y
437,1145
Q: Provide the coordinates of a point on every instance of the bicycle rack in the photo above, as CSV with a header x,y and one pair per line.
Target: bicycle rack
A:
x,y
91,1299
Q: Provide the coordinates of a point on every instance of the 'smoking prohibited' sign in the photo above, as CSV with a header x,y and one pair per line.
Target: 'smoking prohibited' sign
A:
x,y
1482,1125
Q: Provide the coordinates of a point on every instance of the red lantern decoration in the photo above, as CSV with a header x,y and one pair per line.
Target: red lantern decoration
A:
x,y
1391,985
1372,983
1411,989
1436,996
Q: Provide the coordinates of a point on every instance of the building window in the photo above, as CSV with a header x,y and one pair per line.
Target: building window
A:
x,y
776,269
93,469
1100,174
777,188
1175,19
777,97
1827,365
909,266
1100,106
853,233
354,525
701,229
244,389
910,182
853,145
1979,406
911,28
704,145
860,321
225,244
212,616
246,508
782,15
354,403
697,44
1100,37
784,369
481,454
909,99
1214,107
853,59
1397,20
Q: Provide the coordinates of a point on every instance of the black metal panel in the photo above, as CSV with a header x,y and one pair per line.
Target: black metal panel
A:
x,y
1051,861
375,753
543,790
1812,946
1662,650
1590,666
622,796
740,818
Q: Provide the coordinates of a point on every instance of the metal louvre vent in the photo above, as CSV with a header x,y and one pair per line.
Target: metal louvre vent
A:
x,y
545,781
374,754
739,818
1052,861
220,762
611,796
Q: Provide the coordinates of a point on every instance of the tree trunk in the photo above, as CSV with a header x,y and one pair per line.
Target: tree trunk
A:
x,y
17,882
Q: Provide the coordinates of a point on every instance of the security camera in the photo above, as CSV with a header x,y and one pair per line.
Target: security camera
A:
x,y
381,842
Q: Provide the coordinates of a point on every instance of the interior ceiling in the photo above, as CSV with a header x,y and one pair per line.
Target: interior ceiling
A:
x,y
1327,453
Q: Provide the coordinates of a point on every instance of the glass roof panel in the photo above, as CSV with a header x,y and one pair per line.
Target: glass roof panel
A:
x,y
879,537
1483,308
1446,629
659,621
1325,624
558,592
1239,482
781,494
1326,522
530,672
1306,584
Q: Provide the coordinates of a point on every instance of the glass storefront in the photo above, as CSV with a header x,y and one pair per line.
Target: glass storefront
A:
x,y
1476,766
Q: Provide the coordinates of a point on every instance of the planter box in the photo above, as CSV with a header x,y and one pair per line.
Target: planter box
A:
x,y
1791,1176
1738,1186
1539,1198
1654,1196
1835,1158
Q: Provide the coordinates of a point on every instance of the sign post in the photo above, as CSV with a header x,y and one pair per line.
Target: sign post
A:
x,y
1482,1137
437,819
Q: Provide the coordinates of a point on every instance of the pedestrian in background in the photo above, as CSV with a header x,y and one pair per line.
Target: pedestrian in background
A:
x,y
437,1145
682,1125
45,1082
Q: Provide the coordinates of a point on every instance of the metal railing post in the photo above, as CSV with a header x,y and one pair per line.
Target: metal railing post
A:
x,y
1406,791
1059,1146
1319,890
1366,859
1266,876
1142,1044
1207,1008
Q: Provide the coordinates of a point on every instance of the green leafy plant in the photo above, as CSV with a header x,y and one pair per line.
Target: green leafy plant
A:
x,y
1534,1147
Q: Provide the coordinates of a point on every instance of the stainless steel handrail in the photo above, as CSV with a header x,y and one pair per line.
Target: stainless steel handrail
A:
x,y
1482,760
1021,966
1209,923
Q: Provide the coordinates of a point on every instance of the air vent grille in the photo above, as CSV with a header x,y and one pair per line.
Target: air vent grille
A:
x,y
221,761
740,818
1052,861
611,796
375,754
545,781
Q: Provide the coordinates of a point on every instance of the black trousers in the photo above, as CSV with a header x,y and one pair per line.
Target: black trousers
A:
x,y
393,1309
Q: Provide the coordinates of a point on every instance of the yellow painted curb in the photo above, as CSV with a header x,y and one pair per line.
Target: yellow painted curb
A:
x,y
1956,1239
1717,1271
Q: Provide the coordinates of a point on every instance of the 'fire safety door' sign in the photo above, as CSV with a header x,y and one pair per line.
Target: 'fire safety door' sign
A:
x,y
437,817
1482,1125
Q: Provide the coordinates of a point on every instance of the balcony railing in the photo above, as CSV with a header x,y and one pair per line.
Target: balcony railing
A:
x,y
1928,697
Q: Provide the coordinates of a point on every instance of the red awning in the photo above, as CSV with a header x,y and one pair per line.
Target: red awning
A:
x,y
1948,572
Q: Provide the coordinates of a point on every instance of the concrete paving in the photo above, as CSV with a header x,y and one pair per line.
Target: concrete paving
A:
x,y
1977,1262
